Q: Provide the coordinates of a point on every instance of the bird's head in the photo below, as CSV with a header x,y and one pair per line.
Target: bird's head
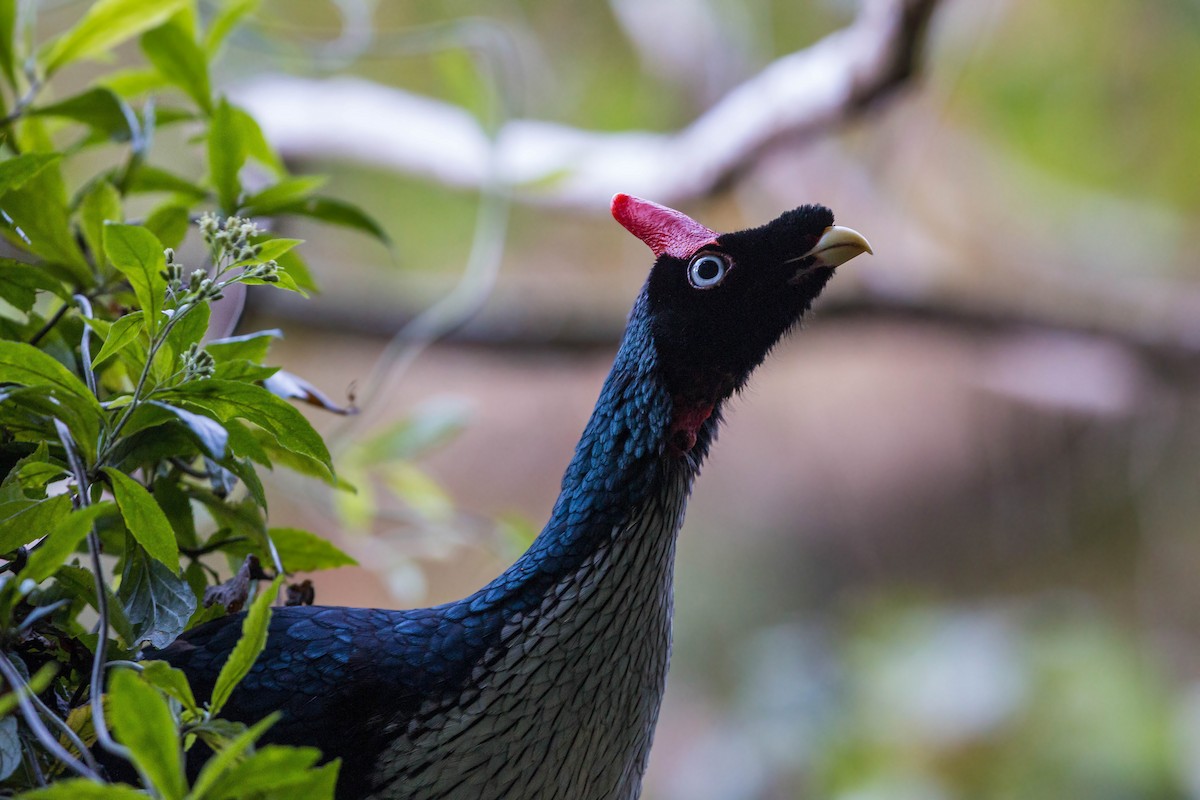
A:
x,y
719,302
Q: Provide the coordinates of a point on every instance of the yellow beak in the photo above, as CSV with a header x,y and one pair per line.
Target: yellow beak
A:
x,y
838,245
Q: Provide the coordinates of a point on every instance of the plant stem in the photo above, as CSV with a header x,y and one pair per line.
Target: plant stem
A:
x,y
50,323
30,715
83,499
85,346
155,346
23,102
66,731
103,737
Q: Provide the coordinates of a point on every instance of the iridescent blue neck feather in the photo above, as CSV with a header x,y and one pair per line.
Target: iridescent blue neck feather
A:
x,y
621,458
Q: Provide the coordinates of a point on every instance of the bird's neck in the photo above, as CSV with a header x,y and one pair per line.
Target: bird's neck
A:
x,y
623,466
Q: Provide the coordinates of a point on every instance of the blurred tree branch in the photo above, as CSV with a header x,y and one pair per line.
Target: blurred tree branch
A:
x,y
798,95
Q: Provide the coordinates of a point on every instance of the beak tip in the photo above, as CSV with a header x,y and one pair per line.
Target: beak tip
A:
x,y
838,245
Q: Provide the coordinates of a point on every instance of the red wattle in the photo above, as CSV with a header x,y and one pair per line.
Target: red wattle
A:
x,y
664,230
686,422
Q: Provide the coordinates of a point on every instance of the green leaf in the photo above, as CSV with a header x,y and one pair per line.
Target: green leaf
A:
x,y
21,283
244,469
285,282
256,144
178,508
15,171
28,413
335,212
35,475
246,440
38,217
13,498
139,256
145,520
157,601
432,424
269,769
8,28
84,789
234,136
100,109
241,518
302,551
173,681
243,370
416,488
24,364
124,331
284,193
38,208
210,434
295,267
189,330
227,153
231,400
279,456
62,541
10,747
320,783
226,19
156,442
101,204
173,51
144,723
246,651
134,82
229,755
249,346
40,453
152,179
24,523
169,223
104,26
274,248
80,582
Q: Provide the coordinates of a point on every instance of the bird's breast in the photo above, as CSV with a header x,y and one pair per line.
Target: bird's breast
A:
x,y
564,705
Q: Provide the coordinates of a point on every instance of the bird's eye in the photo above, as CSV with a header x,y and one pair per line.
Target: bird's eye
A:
x,y
708,270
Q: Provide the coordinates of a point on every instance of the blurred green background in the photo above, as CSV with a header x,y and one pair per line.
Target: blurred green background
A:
x,y
947,545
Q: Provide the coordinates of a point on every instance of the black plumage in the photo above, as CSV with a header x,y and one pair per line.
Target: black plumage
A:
x,y
546,682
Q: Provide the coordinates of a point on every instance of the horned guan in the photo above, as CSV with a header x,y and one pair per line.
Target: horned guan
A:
x,y
546,683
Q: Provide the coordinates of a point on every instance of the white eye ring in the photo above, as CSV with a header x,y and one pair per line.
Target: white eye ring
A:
x,y
707,270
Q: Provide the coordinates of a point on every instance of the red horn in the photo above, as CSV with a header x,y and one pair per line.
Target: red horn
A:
x,y
664,230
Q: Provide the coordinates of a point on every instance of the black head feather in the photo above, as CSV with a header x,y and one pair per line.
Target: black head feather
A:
x,y
710,338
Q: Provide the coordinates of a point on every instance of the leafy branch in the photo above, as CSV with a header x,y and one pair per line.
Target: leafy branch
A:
x,y
131,437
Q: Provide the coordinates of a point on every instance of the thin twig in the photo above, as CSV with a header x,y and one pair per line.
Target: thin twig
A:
x,y
61,724
110,439
50,323
211,547
188,469
29,713
74,463
85,346
83,499
23,103
32,765
103,737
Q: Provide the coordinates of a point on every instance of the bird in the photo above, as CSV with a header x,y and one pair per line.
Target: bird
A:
x,y
546,683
